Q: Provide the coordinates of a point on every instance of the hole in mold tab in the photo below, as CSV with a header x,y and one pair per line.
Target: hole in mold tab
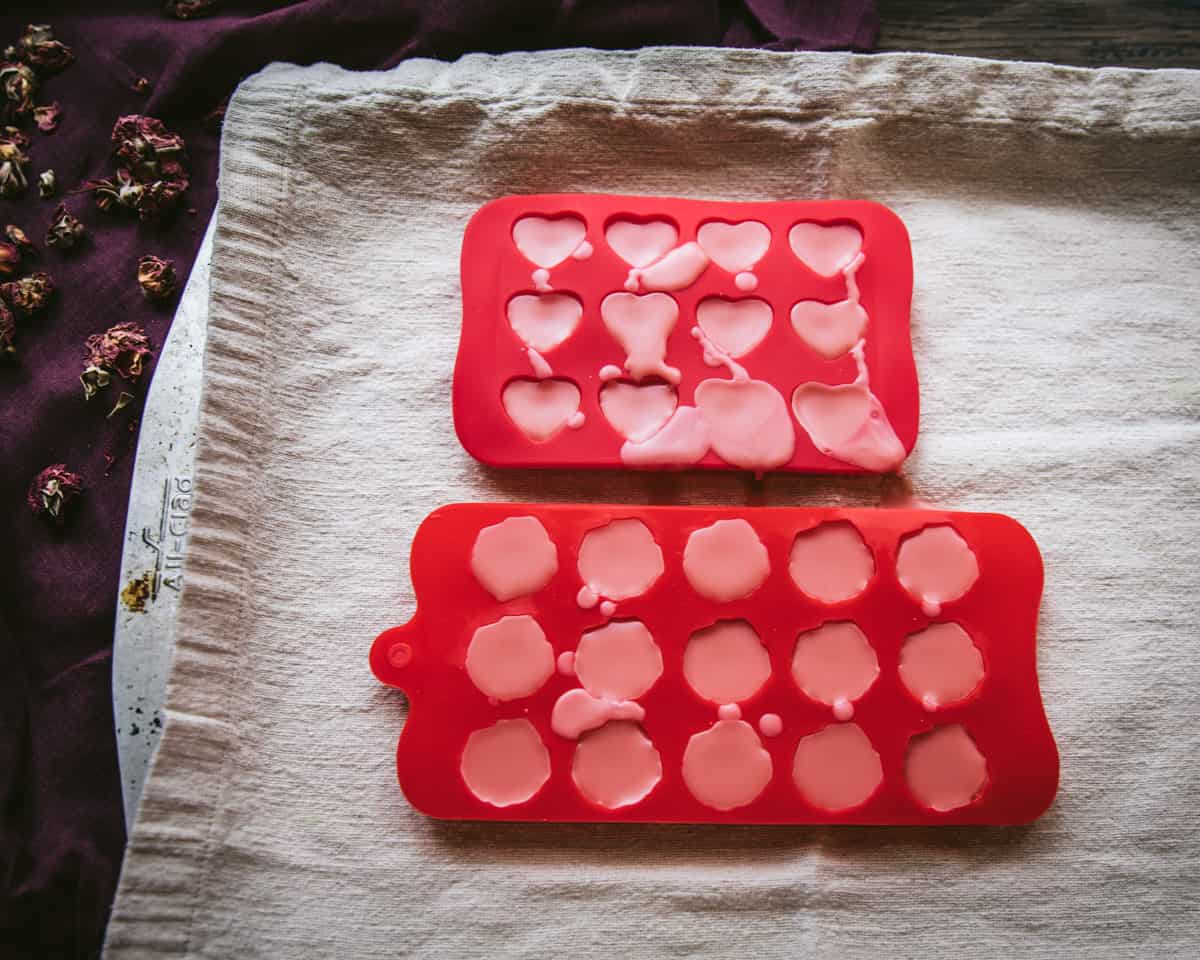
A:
x,y
506,763
544,321
548,241
835,665
940,665
831,562
727,662
825,248
935,565
735,326
541,409
726,560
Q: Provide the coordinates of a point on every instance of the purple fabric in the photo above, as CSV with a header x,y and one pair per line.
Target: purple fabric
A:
x,y
61,832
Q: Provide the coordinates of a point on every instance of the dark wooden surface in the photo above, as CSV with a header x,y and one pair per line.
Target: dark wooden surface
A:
x,y
1084,33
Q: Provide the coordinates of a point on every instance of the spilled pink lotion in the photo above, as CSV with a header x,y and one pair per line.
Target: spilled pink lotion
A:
x,y
637,412
506,763
540,408
682,441
834,664
616,766
936,566
831,562
725,561
726,766
734,246
510,658
640,244
837,768
514,557
748,423
577,712
940,665
618,661
676,270
726,662
543,321
548,242
641,325
735,326
620,559
944,768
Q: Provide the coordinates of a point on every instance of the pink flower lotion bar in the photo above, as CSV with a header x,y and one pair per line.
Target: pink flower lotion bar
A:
x,y
660,333
732,665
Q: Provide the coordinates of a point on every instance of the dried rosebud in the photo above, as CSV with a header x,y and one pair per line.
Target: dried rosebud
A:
x,y
38,48
13,161
17,236
29,295
189,9
47,183
141,85
121,349
64,230
159,198
53,489
18,83
10,259
47,117
215,118
144,145
8,331
157,277
121,191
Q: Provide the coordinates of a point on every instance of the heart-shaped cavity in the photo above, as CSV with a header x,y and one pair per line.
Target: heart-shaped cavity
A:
x,y
637,412
847,422
540,408
825,248
640,244
736,326
830,329
641,324
748,423
548,242
734,246
543,321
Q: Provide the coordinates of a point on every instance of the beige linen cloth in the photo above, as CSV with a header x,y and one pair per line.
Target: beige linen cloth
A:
x,y
1055,219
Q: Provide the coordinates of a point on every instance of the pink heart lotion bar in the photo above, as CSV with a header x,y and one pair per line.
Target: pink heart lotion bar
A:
x,y
721,665
660,333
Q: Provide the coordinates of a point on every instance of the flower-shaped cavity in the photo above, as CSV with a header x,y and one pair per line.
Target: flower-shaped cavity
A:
x,y
837,768
510,658
935,565
506,763
618,661
620,559
727,662
617,765
940,665
944,768
514,557
725,561
835,665
831,562
726,767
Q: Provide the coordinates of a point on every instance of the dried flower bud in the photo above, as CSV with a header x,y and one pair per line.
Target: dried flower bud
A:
x,y
143,144
29,295
141,85
38,48
10,259
18,83
64,231
13,161
157,278
189,9
159,198
121,349
47,183
8,331
17,236
53,489
47,117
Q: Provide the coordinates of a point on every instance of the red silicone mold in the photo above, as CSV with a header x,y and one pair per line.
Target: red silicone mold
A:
x,y
1006,771
778,288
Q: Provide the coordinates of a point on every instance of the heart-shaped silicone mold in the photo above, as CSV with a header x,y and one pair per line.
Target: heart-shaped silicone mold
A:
x,y
734,246
543,321
637,411
831,329
547,242
825,248
541,408
640,244
736,326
